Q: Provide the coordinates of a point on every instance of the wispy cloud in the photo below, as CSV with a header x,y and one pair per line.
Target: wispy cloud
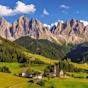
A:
x,y
64,6
20,8
45,12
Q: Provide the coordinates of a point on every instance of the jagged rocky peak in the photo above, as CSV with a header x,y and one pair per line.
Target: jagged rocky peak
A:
x,y
1,19
80,26
35,24
23,20
71,31
57,29
86,30
53,29
20,27
67,22
66,28
25,27
4,28
69,27
73,22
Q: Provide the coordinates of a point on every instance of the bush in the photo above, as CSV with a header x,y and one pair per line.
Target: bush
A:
x,y
5,69
32,72
41,83
87,77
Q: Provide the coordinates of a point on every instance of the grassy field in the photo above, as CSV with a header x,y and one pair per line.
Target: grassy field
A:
x,y
16,67
67,83
40,58
83,66
77,74
39,67
10,81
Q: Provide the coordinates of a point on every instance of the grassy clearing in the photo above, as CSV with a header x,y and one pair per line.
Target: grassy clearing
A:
x,y
40,58
39,67
67,83
83,66
14,67
77,74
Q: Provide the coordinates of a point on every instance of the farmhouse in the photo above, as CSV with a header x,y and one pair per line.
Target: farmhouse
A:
x,y
34,76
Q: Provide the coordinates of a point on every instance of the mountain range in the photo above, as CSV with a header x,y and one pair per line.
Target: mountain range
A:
x,y
73,31
60,41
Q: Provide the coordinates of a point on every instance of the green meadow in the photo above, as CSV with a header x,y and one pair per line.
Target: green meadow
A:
x,y
67,83
10,81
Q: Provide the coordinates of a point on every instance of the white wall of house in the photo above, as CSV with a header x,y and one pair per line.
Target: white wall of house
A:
x,y
23,74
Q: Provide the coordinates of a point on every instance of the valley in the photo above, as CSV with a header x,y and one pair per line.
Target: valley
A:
x,y
43,44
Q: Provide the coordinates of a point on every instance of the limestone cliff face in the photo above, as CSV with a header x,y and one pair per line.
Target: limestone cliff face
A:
x,y
73,31
4,29
33,28
20,27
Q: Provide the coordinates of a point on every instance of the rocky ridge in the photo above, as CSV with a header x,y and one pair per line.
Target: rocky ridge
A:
x,y
73,31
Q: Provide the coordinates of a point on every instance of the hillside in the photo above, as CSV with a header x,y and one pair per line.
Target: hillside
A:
x,y
11,52
44,47
8,81
79,53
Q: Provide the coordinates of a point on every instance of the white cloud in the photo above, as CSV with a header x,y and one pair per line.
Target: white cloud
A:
x,y
20,8
61,21
46,25
45,12
84,22
23,8
5,11
64,6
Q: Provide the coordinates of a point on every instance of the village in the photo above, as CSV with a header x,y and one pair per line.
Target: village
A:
x,y
39,75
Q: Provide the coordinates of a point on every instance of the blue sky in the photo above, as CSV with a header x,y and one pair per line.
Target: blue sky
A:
x,y
47,11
